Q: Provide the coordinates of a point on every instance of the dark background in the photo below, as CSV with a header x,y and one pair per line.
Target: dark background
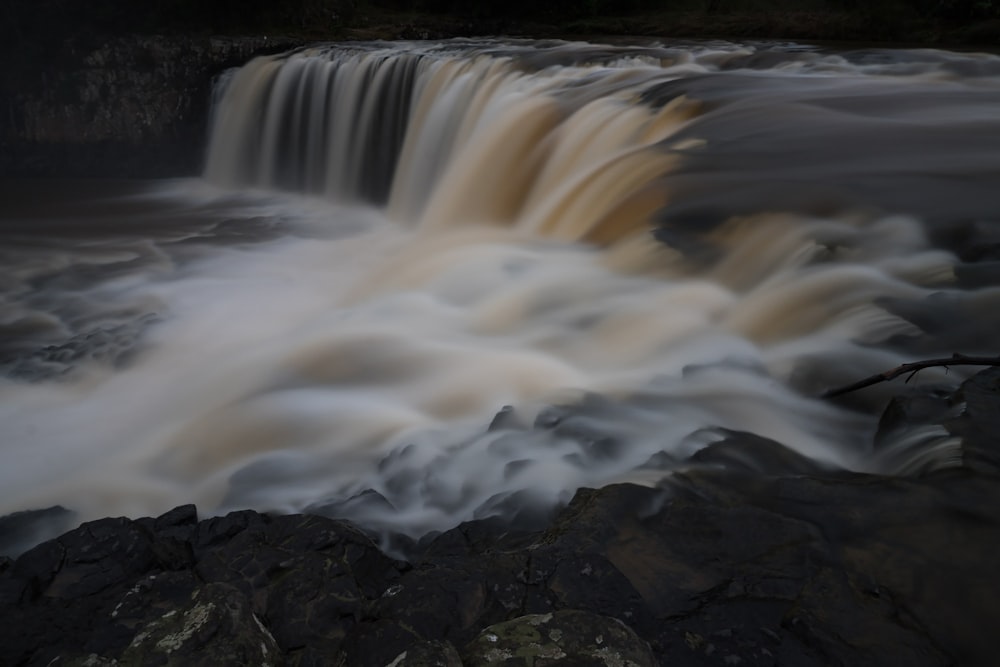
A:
x,y
47,21
120,88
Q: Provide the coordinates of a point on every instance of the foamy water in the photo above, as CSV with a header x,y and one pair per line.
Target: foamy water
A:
x,y
477,232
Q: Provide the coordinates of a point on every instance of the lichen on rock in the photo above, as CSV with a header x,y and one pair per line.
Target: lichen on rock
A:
x,y
217,627
563,637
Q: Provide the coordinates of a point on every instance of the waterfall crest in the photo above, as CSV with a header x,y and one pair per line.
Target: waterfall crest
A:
x,y
445,139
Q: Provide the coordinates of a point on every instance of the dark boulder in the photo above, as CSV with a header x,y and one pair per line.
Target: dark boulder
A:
x,y
429,654
564,637
216,626
22,530
979,423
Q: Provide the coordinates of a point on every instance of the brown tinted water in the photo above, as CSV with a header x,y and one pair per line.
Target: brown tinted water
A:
x,y
393,242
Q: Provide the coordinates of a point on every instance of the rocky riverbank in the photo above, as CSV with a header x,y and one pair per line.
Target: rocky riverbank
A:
x,y
726,565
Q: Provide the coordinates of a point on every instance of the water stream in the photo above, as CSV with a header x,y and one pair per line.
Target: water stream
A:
x,y
638,249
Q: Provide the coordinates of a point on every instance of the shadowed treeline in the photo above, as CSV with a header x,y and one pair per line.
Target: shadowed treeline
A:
x,y
24,23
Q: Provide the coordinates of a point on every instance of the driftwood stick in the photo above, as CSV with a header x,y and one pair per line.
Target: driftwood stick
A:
x,y
912,369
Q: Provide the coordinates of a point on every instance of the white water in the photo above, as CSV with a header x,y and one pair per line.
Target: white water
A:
x,y
507,260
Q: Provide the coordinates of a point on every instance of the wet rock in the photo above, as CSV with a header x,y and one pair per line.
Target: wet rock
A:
x,y
364,503
428,654
310,576
234,582
928,404
216,627
378,643
61,593
885,574
438,602
507,419
185,515
936,316
93,558
979,423
843,625
591,582
110,344
564,637
748,452
520,511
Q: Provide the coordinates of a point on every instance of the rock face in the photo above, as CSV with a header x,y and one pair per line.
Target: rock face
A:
x,y
22,530
715,571
573,637
725,566
129,106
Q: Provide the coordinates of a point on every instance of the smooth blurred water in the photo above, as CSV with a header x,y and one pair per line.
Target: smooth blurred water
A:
x,y
332,319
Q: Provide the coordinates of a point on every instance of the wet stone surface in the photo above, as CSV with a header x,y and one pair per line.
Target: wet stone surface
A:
x,y
564,637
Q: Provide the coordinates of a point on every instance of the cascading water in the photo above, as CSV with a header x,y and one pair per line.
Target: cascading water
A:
x,y
445,139
641,250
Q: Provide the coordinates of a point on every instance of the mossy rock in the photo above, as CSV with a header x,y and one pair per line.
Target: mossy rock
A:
x,y
428,654
562,638
216,628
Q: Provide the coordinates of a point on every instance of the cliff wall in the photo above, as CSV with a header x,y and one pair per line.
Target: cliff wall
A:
x,y
133,106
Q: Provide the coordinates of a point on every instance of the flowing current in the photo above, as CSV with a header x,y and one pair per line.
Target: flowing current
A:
x,y
422,283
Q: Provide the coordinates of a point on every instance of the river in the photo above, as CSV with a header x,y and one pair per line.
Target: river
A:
x,y
425,282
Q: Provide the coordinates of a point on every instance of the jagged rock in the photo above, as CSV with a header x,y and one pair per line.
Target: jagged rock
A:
x,y
216,627
377,643
308,575
507,419
564,637
95,589
428,654
979,423
22,530
741,451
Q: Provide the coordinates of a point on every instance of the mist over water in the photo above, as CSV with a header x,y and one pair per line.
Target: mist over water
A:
x,y
640,250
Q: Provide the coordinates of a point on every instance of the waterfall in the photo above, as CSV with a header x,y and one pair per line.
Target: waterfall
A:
x,y
445,139
426,282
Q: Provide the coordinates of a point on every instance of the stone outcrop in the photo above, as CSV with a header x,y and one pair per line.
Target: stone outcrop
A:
x,y
564,637
133,106
717,570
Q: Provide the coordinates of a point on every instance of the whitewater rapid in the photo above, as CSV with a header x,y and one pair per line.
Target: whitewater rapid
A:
x,y
637,250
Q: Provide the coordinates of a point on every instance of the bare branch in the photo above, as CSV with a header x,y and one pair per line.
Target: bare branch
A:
x,y
913,368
